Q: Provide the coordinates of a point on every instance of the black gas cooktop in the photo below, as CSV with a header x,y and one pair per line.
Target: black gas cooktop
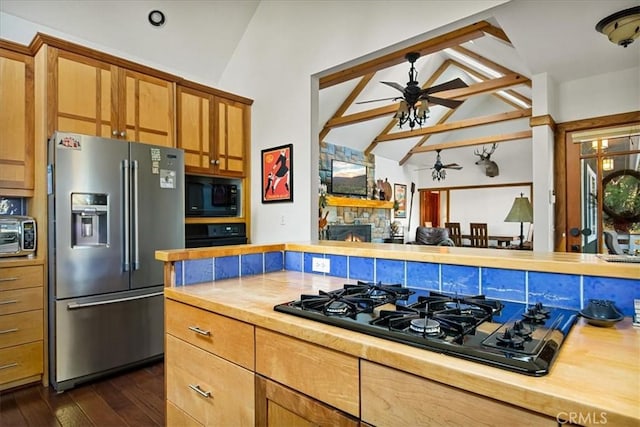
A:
x,y
508,335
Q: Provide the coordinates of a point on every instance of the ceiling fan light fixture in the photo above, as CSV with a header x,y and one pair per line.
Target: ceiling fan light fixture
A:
x,y
423,110
622,27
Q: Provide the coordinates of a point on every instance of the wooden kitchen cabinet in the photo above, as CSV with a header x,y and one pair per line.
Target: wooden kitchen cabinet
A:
x,y
323,374
94,97
21,325
391,397
209,368
16,122
213,130
277,405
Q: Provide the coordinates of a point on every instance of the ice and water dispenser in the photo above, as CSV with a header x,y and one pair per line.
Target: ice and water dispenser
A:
x,y
90,216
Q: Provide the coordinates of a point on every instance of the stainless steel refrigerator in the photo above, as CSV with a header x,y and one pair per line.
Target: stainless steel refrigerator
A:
x,y
111,204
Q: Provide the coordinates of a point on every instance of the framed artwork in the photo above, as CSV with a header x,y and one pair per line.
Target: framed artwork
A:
x,y
400,196
277,174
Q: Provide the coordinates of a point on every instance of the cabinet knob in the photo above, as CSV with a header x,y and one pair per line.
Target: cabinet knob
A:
x,y
114,133
123,133
215,162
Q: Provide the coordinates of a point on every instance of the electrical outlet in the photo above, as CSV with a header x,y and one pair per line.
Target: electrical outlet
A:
x,y
321,265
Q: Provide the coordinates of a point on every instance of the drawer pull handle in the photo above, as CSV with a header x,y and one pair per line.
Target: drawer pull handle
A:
x,y
198,390
199,331
8,279
6,331
10,365
9,301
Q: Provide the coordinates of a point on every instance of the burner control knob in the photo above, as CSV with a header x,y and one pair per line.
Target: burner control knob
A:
x,y
521,329
541,309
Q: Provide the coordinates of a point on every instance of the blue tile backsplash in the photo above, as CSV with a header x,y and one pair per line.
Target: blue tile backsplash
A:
x,y
508,285
552,289
361,268
390,271
460,279
557,290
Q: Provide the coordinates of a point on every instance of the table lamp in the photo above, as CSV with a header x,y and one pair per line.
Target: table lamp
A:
x,y
521,212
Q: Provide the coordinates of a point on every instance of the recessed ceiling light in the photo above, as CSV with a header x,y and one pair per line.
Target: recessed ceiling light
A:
x,y
156,18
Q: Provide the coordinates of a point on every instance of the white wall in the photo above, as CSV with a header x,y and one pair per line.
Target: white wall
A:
x,y
489,205
599,95
286,44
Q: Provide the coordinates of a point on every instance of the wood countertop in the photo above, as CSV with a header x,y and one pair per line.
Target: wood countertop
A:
x,y
597,370
552,262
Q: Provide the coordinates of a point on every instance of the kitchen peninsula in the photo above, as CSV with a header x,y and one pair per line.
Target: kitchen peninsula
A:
x,y
219,314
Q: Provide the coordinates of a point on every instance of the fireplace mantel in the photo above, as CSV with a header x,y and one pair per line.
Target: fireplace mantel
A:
x,y
358,203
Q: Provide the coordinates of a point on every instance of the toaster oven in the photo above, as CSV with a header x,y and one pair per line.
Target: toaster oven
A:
x,y
17,235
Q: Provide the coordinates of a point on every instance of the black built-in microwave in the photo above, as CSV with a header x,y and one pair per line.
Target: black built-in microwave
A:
x,y
211,197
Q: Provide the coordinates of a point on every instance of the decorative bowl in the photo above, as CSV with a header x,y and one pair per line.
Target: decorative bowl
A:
x,y
601,313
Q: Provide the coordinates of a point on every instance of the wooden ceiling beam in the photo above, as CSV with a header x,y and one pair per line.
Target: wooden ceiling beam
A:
x,y
472,90
493,139
347,103
427,47
483,76
487,86
498,34
484,61
425,138
462,124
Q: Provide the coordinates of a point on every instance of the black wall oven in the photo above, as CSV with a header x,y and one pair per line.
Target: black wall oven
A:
x,y
212,197
205,235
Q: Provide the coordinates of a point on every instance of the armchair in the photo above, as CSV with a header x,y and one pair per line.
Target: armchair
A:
x,y
434,236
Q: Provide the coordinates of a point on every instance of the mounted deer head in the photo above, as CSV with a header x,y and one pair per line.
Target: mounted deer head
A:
x,y
490,167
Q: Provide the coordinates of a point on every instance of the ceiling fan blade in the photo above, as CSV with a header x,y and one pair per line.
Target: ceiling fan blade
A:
x,y
377,100
394,85
453,166
451,84
449,103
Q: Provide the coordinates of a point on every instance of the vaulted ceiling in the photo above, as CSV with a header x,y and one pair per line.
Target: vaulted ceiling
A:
x,y
497,102
442,58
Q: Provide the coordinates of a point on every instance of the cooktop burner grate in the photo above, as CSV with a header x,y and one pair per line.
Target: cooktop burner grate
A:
x,y
507,335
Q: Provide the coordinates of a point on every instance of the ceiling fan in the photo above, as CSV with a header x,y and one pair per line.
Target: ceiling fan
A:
x,y
414,102
438,167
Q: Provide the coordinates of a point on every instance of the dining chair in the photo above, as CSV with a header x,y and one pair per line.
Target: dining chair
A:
x,y
479,237
454,232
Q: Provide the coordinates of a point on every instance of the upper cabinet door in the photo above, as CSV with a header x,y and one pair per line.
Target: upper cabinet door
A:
x,y
97,98
82,95
195,132
146,108
231,136
16,123
213,132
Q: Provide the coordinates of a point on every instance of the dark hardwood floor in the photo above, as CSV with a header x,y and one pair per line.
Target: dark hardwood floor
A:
x,y
133,398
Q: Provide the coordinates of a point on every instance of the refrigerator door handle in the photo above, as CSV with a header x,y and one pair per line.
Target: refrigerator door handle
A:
x,y
75,305
126,224
135,200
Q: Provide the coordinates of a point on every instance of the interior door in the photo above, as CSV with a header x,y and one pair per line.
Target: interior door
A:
x,y
603,187
430,208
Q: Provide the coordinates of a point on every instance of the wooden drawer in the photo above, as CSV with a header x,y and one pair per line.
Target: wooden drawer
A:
x,y
20,362
28,276
324,374
230,339
20,300
225,392
178,418
20,328
392,398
